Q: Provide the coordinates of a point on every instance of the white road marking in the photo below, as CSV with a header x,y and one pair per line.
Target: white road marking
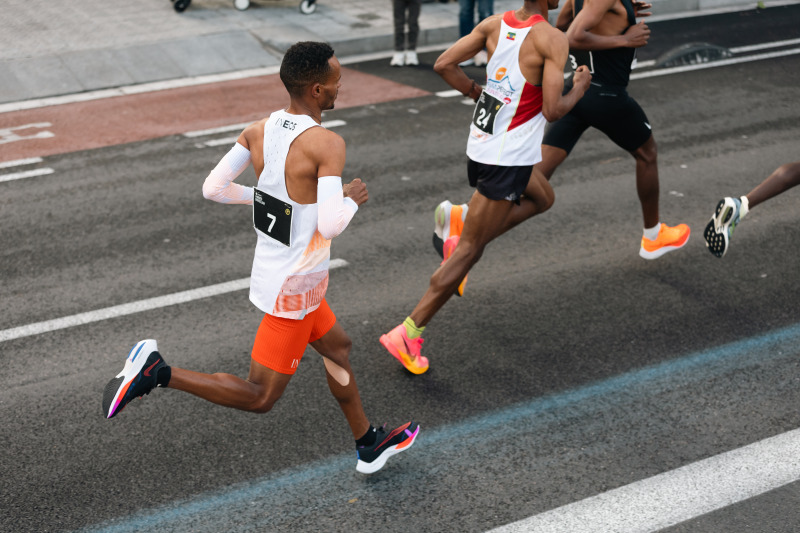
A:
x,y
221,129
644,64
763,46
679,495
21,162
712,64
134,307
9,135
333,123
218,142
26,174
449,94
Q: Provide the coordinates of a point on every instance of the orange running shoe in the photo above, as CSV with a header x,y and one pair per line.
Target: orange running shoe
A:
x,y
407,351
450,245
448,222
669,239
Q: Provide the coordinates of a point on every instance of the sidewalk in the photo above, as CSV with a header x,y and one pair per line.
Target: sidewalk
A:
x,y
55,48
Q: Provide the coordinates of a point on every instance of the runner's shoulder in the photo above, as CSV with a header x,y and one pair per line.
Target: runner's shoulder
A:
x,y
257,126
252,134
547,37
323,134
489,24
321,141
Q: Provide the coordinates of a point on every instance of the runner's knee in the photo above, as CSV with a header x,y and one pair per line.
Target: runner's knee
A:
x,y
340,352
648,153
470,250
789,174
339,373
263,402
546,200
539,192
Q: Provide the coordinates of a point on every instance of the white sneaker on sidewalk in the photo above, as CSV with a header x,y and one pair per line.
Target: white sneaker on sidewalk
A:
x,y
481,58
397,59
411,58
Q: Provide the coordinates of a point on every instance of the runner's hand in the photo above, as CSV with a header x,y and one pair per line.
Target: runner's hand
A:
x,y
639,7
582,78
357,191
637,35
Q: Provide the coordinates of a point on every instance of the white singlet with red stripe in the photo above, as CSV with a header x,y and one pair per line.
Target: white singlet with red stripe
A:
x,y
508,125
287,281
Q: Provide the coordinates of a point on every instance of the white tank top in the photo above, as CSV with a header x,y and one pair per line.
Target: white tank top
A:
x,y
508,125
290,268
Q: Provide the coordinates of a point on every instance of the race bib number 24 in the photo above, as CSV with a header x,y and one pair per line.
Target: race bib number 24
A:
x,y
485,112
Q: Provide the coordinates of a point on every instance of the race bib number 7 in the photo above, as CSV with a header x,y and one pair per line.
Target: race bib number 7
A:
x,y
272,217
485,112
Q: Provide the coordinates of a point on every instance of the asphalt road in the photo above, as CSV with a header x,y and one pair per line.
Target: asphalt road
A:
x,y
570,367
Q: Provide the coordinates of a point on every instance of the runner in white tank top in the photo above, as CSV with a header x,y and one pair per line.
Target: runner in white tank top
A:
x,y
290,270
508,125
287,281
524,90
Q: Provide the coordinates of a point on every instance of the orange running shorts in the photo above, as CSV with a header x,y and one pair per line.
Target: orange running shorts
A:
x,y
280,342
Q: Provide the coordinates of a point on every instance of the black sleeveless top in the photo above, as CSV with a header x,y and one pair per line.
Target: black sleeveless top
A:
x,y
608,67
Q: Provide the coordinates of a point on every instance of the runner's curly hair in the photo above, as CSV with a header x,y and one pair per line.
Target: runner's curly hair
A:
x,y
304,64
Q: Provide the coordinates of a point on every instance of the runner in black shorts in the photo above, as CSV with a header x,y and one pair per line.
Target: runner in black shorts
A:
x,y
604,35
607,108
499,182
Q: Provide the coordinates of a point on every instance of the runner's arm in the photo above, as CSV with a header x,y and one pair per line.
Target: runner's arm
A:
x,y
580,31
334,208
565,16
220,187
447,65
554,49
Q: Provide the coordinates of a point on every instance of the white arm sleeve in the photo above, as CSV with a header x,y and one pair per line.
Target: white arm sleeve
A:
x,y
334,211
219,185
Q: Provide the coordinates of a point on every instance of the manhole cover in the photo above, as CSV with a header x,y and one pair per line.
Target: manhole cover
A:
x,y
693,54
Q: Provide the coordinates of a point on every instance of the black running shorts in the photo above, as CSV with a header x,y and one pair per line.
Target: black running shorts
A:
x,y
610,110
497,182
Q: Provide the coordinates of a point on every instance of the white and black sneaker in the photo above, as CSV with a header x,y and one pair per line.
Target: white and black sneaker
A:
x,y
719,231
137,378
372,458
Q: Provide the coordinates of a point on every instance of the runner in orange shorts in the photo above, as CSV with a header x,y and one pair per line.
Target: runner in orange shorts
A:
x,y
299,205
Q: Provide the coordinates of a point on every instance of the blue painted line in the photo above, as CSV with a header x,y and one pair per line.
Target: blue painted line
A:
x,y
692,368
649,380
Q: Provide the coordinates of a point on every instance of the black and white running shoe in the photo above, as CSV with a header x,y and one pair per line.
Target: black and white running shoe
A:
x,y
719,231
137,378
372,458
